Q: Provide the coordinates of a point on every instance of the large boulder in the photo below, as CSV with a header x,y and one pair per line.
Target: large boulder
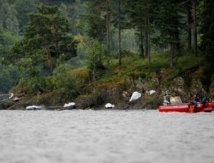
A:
x,y
85,101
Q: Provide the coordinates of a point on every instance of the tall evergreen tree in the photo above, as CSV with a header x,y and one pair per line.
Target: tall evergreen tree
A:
x,y
119,21
46,39
195,4
168,23
108,15
142,17
207,45
189,24
95,19
95,22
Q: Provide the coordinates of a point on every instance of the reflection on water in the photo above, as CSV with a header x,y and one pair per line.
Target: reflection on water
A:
x,y
88,136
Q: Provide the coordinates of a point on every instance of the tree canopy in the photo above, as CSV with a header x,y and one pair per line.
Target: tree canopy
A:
x,y
47,40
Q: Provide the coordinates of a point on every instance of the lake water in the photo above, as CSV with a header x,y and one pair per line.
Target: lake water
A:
x,y
106,136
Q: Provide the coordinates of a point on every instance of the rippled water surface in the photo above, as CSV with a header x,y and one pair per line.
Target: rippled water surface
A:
x,y
88,136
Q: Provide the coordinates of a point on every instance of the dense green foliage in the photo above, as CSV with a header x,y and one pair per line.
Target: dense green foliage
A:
x,y
46,43
40,39
9,76
208,42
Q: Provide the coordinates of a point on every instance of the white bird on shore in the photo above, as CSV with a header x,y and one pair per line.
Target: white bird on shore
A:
x,y
109,105
152,92
16,99
32,107
11,95
135,96
69,104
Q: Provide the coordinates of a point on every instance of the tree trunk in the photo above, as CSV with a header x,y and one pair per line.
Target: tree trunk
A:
x,y
49,62
177,46
141,43
195,29
119,32
189,29
147,43
171,54
172,51
107,33
94,72
100,35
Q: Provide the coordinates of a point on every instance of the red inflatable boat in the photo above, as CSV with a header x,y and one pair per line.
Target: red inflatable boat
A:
x,y
177,106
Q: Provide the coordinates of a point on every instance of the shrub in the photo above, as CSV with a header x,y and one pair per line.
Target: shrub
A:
x,y
65,83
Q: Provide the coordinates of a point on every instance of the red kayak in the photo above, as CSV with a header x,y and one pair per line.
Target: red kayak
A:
x,y
178,106
185,107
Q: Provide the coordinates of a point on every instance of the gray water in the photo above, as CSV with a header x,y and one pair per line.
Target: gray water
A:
x,y
110,136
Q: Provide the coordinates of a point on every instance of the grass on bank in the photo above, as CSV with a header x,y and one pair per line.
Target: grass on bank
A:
x,y
76,81
137,67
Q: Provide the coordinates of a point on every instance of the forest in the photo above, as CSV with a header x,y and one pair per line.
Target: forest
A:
x,y
42,40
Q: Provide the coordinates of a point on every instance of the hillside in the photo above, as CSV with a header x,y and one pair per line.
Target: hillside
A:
x,y
118,83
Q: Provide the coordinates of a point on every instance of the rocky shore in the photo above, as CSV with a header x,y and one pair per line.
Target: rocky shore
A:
x,y
10,105
82,102
119,95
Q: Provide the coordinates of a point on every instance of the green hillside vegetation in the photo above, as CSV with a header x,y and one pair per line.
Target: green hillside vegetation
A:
x,y
69,84
137,67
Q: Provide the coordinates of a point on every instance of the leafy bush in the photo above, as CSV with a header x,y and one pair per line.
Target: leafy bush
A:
x,y
65,83
39,85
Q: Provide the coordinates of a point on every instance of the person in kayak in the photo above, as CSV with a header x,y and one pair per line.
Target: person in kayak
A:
x,y
166,99
204,101
194,103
